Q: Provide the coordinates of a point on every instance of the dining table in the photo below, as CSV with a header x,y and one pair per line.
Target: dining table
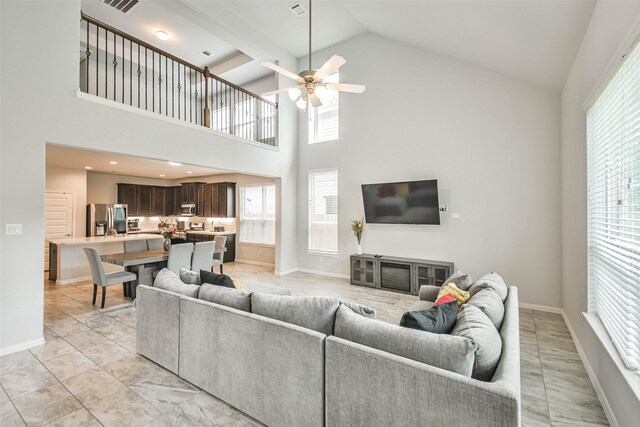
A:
x,y
143,264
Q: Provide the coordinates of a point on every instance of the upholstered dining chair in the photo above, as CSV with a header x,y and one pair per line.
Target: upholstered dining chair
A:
x,y
155,244
180,257
202,256
135,246
105,280
218,257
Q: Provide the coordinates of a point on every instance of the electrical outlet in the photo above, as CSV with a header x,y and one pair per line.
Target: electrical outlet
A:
x,y
444,208
13,229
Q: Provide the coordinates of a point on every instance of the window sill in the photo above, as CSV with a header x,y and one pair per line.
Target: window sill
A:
x,y
322,142
320,253
630,376
260,245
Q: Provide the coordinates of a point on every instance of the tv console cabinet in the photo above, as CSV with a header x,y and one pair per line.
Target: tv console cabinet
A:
x,y
398,274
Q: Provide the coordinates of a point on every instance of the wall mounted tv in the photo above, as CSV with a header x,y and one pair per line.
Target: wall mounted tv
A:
x,y
412,202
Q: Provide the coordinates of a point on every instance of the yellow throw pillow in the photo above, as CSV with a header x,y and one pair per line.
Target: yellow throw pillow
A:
x,y
237,283
452,289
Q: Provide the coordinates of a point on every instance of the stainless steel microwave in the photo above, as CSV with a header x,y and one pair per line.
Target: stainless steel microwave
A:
x,y
188,209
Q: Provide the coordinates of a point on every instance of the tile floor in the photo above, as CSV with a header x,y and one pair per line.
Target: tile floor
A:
x,y
87,373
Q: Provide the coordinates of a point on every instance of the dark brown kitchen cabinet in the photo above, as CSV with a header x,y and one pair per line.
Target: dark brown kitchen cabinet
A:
x,y
173,200
190,192
229,255
200,190
128,194
158,201
226,200
210,194
145,200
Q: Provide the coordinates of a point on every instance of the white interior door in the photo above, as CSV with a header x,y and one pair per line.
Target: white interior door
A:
x,y
58,219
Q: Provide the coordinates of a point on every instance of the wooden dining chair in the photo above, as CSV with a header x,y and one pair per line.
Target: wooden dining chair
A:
x,y
202,256
104,280
218,257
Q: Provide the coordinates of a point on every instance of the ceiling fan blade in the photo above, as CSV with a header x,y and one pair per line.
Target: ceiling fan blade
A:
x,y
346,87
282,71
273,92
330,67
315,100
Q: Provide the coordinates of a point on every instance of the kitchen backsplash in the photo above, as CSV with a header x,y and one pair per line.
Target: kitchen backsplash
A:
x,y
151,223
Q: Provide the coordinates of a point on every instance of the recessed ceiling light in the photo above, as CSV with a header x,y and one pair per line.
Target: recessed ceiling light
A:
x,y
113,162
175,164
162,174
189,172
162,35
88,167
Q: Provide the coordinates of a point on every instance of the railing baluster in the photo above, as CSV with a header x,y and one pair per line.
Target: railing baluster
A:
x,y
139,73
166,86
146,85
130,72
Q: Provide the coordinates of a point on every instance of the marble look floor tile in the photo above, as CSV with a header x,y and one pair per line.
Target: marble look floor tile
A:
x,y
92,386
532,422
51,349
164,391
18,360
115,330
49,334
561,412
80,418
535,408
123,408
67,326
206,410
9,417
94,319
46,404
69,365
26,380
86,339
3,395
162,421
134,368
105,354
127,341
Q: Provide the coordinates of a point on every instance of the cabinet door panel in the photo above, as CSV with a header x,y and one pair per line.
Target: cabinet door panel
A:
x,y
222,201
230,254
159,200
145,200
128,194
200,191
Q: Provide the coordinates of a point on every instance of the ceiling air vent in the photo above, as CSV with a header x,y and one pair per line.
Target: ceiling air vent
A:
x,y
123,6
206,53
297,9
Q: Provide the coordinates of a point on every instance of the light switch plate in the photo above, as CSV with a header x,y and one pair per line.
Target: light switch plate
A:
x,y
444,208
455,215
13,229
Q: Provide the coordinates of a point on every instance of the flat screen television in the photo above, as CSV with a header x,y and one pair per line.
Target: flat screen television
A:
x,y
412,202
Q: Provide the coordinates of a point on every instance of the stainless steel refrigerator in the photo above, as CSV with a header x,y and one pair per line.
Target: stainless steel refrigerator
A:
x,y
101,219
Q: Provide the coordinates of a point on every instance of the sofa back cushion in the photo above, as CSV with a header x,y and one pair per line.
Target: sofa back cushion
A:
x,y
476,326
169,281
489,302
462,280
316,313
234,298
453,353
491,281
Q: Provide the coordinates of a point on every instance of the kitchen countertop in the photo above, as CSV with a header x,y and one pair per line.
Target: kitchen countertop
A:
x,y
102,239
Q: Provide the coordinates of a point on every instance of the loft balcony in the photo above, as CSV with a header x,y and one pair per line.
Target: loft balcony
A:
x,y
121,68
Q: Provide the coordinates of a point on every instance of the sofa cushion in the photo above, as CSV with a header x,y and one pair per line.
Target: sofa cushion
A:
x,y
216,279
476,326
190,277
169,281
314,313
234,298
360,309
266,289
461,280
492,281
488,301
439,319
453,353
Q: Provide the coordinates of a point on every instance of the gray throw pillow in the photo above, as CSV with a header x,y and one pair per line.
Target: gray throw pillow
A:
x,y
474,325
461,280
360,309
169,281
488,301
491,281
190,277
316,313
234,298
455,354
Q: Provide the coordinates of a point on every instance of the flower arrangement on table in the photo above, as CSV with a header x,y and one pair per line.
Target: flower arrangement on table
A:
x,y
167,228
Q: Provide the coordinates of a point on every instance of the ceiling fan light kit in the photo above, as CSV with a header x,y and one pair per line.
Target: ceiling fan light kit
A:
x,y
311,87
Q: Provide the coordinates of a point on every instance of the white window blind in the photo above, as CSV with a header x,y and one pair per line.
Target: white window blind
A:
x,y
324,123
323,211
258,214
613,175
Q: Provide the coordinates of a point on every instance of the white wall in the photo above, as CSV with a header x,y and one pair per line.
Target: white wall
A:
x,y
103,187
37,110
612,28
75,181
493,143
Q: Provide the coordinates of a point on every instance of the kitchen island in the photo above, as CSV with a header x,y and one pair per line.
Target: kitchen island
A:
x,y
68,262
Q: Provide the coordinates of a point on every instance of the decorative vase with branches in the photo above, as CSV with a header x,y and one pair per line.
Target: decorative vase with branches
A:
x,y
357,225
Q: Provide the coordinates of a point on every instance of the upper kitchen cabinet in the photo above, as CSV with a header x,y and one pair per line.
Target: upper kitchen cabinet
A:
x,y
190,192
128,194
219,200
158,200
173,200
145,200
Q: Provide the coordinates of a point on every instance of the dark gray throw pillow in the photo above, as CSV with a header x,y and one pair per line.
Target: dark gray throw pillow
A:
x,y
438,320
216,279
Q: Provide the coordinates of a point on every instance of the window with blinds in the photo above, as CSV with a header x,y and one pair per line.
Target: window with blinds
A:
x,y
613,175
323,211
324,124
258,214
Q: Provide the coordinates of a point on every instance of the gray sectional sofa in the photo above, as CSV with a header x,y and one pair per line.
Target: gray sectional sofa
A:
x,y
302,361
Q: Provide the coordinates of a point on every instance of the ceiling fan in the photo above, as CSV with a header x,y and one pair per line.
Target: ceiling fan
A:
x,y
311,86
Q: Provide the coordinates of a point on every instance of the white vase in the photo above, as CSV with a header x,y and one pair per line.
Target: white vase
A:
x,y
359,251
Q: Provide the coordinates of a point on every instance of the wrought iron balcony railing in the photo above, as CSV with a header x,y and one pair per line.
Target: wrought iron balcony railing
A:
x,y
122,68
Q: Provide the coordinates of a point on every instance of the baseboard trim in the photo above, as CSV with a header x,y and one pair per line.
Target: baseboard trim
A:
x,y
285,272
539,307
73,280
608,411
323,273
248,261
22,346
